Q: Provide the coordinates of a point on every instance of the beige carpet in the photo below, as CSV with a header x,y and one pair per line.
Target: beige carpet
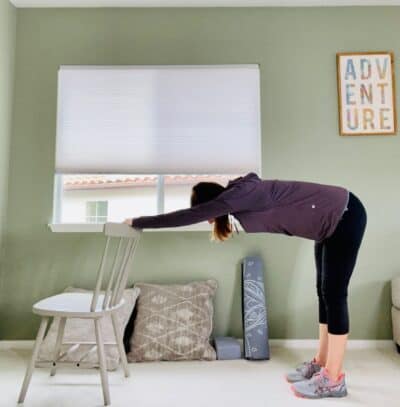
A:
x,y
373,377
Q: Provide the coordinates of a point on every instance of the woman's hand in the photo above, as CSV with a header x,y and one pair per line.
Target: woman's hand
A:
x,y
128,221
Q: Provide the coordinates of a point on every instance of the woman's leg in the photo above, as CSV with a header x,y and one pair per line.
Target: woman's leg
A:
x,y
336,351
339,258
322,353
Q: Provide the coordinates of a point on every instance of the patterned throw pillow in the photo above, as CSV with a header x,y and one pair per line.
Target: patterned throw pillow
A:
x,y
173,322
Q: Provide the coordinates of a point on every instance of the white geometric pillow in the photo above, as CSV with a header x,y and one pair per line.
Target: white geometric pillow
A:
x,y
82,330
173,322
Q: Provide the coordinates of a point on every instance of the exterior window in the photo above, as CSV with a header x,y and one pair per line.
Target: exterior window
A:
x,y
94,199
96,211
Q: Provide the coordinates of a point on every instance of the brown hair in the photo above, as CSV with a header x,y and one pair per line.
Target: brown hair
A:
x,y
204,192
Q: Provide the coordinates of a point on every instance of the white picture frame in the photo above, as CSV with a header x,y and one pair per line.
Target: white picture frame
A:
x,y
366,93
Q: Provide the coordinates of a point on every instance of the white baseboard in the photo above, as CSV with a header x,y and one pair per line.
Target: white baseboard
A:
x,y
285,343
351,344
16,344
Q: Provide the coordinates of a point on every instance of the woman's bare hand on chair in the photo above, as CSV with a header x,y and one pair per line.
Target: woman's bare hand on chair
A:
x,y
128,221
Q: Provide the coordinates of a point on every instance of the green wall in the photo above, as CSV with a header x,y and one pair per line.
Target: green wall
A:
x,y
7,50
296,51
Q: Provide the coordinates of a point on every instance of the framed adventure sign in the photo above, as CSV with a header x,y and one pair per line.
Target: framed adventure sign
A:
x,y
366,93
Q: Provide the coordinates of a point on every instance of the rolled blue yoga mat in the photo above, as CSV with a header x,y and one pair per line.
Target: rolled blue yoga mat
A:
x,y
254,311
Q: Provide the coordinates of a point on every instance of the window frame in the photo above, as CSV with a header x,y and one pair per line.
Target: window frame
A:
x,y
57,226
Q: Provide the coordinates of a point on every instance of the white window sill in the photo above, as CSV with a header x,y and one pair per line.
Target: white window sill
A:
x,y
98,228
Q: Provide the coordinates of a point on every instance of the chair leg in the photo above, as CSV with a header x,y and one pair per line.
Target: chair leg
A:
x,y
60,334
31,365
102,362
120,345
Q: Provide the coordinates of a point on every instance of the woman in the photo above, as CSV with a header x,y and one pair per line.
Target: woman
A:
x,y
331,216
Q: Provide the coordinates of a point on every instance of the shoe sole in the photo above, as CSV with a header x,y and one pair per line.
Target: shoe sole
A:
x,y
287,379
299,395
302,396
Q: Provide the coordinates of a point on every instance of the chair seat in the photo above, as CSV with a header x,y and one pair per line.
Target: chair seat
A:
x,y
72,305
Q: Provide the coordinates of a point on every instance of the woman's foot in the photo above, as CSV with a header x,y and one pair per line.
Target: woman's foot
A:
x,y
304,371
321,385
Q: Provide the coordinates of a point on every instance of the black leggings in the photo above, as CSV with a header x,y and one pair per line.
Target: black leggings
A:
x,y
335,258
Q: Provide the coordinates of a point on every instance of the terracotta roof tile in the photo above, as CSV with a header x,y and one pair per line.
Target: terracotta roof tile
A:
x,y
71,182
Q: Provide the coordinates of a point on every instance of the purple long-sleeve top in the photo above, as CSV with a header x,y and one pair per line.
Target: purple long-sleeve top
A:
x,y
294,208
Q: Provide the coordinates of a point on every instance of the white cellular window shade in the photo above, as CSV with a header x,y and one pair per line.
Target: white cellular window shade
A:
x,y
158,119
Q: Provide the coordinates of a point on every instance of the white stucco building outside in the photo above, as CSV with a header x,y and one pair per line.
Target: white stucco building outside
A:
x,y
118,197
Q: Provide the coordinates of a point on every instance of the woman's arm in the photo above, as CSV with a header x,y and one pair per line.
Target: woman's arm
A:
x,y
183,217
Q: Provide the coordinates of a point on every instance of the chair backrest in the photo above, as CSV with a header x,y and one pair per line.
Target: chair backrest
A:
x,y
114,281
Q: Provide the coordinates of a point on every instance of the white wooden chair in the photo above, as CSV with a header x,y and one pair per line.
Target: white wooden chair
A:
x,y
93,305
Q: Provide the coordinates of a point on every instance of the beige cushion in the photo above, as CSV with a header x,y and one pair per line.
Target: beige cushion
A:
x,y
396,292
396,324
173,322
82,330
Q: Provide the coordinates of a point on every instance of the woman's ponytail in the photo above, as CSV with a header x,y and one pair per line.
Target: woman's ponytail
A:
x,y
222,228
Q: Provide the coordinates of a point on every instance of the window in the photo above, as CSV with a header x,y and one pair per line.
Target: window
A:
x,y
96,211
85,198
139,137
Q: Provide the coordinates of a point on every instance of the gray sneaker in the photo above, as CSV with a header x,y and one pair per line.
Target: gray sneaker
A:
x,y
320,385
303,371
